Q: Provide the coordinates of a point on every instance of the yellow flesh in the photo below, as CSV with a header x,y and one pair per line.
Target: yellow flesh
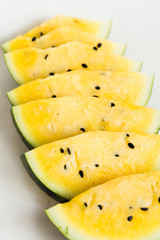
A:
x,y
61,36
47,162
85,25
116,197
43,121
29,63
97,28
130,87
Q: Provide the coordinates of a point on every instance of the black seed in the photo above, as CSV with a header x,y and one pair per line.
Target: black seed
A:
x,y
103,120
127,135
97,87
99,45
84,65
69,151
41,33
61,150
144,209
100,207
51,73
33,39
69,70
96,165
54,96
130,207
85,204
81,173
95,48
116,155
112,104
46,56
82,129
130,218
95,96
65,166
159,199
53,46
130,145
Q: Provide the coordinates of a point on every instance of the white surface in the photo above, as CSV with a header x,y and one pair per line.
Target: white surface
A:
x,y
135,22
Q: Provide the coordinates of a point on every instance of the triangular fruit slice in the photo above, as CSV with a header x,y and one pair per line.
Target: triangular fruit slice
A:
x,y
124,208
61,36
97,28
70,166
28,64
44,121
135,88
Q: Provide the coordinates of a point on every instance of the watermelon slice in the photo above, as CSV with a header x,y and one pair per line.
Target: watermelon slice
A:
x,y
124,208
70,166
31,63
61,36
130,87
97,28
44,121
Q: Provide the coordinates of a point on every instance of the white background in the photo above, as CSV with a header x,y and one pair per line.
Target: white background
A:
x,y
135,22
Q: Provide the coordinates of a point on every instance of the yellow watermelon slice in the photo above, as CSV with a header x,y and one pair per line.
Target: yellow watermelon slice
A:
x,y
130,87
44,121
70,166
98,28
61,36
126,208
28,64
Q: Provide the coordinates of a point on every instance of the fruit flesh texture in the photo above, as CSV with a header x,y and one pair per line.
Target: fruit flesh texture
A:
x,y
96,28
130,87
93,27
64,35
100,155
121,199
43,121
30,63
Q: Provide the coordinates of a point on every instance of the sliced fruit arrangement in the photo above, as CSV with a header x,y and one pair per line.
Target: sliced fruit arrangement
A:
x,y
97,28
130,87
43,121
70,166
64,35
79,90
124,208
28,64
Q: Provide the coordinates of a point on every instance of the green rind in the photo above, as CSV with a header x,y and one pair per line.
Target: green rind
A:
x,y
124,49
27,143
151,87
11,102
109,30
4,48
157,130
65,233
39,183
140,66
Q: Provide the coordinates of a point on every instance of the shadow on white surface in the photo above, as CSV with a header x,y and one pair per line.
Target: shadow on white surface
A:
x,y
20,196
135,22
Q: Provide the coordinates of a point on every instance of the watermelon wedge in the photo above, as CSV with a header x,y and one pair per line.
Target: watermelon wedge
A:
x,y
44,121
97,28
70,166
31,63
135,88
61,36
124,208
